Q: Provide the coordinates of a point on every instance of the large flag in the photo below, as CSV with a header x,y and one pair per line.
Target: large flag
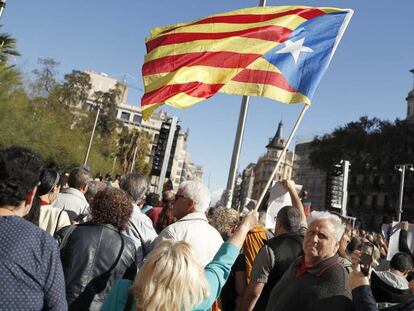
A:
x,y
276,52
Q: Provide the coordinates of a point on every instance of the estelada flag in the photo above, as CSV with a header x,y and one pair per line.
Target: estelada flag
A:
x,y
275,52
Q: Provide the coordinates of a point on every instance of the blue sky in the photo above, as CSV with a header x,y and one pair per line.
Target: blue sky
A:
x,y
369,74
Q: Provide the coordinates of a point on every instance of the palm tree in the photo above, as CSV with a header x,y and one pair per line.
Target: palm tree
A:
x,y
7,47
9,76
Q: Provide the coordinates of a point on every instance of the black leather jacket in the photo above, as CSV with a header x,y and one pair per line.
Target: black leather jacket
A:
x,y
94,257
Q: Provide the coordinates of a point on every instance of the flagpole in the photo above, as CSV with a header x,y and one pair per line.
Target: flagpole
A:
x,y
292,133
237,143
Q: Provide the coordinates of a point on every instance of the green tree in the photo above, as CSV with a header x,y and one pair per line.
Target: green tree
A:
x,y
373,148
10,78
45,77
7,47
129,140
75,88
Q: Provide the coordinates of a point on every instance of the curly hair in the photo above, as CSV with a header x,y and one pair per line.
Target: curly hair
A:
x,y
19,173
224,220
111,206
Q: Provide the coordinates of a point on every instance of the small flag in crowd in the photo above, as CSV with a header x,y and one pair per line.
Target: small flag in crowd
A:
x,y
275,52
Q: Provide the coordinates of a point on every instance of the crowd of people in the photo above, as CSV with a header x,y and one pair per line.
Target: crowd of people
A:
x,y
70,242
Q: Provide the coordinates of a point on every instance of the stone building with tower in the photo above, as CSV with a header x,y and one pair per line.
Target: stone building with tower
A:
x,y
266,164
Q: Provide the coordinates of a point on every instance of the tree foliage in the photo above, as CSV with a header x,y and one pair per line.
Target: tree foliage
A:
x,y
54,119
373,148
128,142
366,143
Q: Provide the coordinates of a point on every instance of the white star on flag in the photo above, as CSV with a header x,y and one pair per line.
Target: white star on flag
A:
x,y
295,48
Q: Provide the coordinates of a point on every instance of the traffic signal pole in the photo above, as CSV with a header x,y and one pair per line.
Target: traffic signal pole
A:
x,y
165,162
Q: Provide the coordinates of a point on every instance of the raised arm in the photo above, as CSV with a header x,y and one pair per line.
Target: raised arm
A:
x,y
290,187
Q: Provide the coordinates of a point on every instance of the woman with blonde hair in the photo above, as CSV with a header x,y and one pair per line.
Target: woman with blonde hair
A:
x,y
173,279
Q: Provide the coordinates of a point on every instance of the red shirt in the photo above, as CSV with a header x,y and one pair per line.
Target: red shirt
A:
x,y
154,214
302,268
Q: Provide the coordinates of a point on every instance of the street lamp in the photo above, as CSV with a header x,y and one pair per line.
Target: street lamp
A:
x,y
93,133
2,6
401,168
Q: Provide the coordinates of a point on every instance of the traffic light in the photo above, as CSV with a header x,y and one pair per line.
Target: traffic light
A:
x,y
334,187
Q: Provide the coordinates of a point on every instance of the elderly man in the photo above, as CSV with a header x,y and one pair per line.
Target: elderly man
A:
x,y
315,281
140,228
278,253
191,202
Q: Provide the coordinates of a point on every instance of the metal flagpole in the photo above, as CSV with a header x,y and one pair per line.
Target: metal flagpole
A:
x,y
282,155
237,143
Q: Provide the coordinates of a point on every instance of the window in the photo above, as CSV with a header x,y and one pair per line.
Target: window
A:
x,y
137,118
125,116
374,201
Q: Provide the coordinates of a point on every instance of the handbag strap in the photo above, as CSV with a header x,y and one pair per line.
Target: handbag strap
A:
x,y
67,236
57,222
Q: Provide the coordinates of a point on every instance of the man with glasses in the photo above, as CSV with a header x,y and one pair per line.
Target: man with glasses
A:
x,y
191,202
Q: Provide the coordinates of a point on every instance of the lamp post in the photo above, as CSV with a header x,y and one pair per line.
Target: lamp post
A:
x,y
93,133
2,6
401,168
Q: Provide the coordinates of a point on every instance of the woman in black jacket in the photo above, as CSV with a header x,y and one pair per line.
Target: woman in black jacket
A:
x,y
95,254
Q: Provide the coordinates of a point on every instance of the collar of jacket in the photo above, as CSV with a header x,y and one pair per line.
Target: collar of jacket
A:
x,y
322,267
194,216
74,192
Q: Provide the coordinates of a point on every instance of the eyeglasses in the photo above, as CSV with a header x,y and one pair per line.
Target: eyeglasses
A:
x,y
177,196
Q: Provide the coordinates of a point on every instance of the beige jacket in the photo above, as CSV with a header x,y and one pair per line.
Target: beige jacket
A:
x,y
52,219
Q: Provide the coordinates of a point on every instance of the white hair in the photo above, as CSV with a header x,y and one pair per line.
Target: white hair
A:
x,y
198,193
335,220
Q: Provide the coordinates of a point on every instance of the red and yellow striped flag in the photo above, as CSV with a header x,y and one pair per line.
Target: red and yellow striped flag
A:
x,y
187,63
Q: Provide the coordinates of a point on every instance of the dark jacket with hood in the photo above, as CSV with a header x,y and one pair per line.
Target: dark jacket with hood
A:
x,y
364,301
389,287
93,258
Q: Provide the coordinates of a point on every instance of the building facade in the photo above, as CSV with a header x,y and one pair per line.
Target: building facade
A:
x,y
313,180
267,162
182,168
246,186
